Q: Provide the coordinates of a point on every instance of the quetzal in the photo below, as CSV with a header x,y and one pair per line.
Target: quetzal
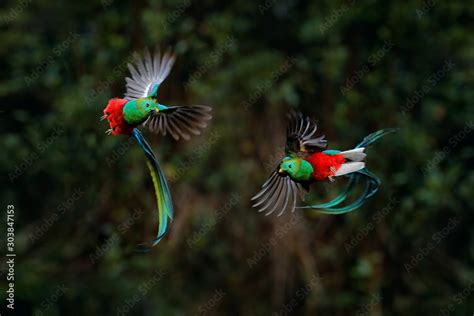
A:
x,y
140,106
307,162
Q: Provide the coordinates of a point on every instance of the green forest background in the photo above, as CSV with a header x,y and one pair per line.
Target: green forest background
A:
x,y
84,200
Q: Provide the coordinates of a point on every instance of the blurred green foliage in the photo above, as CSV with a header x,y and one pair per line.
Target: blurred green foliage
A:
x,y
355,66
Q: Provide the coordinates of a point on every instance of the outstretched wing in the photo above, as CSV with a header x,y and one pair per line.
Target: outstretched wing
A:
x,y
300,136
148,73
280,193
179,121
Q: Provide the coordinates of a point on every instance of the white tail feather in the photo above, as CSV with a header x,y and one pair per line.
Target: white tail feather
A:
x,y
356,154
349,167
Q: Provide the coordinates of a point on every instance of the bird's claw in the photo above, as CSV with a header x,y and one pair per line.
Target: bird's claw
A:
x,y
333,172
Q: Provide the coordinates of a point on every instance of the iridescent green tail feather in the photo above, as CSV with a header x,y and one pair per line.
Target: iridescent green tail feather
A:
x,y
372,138
162,192
372,184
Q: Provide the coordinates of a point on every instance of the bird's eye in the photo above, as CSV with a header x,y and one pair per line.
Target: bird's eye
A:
x,y
147,105
290,166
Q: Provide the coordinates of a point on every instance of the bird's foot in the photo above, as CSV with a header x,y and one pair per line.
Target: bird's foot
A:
x,y
333,172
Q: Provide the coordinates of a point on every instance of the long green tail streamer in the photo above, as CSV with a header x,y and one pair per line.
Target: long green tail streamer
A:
x,y
372,138
162,191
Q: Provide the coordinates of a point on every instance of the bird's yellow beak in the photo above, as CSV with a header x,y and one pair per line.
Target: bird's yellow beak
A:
x,y
281,171
156,110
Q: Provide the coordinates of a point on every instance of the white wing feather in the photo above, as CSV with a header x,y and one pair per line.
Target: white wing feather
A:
x,y
148,72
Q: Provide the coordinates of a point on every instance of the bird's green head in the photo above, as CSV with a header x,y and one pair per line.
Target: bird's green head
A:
x,y
298,169
137,111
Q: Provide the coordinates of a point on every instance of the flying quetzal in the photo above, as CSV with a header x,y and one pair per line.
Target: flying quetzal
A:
x,y
306,163
140,106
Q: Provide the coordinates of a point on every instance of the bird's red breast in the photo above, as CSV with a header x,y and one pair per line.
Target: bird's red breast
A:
x,y
322,164
114,114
